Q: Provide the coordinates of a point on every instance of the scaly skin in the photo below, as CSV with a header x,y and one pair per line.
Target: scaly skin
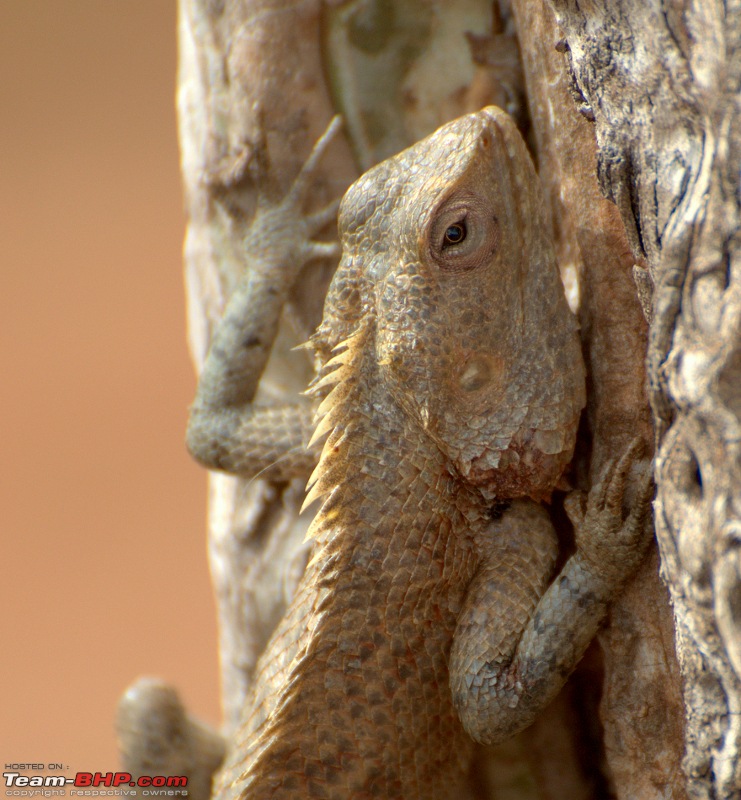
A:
x,y
451,385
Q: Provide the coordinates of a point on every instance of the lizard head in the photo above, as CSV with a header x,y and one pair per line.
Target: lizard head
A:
x,y
447,256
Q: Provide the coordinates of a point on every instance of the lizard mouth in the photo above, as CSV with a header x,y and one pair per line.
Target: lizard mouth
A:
x,y
520,473
531,466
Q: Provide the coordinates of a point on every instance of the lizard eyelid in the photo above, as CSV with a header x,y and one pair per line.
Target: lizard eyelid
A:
x,y
463,234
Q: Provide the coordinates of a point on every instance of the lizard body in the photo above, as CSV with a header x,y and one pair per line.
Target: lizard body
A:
x,y
451,384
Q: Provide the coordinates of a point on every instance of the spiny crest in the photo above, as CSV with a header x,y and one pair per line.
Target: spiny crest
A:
x,y
336,383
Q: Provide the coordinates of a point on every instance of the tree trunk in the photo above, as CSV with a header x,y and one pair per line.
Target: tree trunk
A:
x,y
251,104
662,85
627,100
641,707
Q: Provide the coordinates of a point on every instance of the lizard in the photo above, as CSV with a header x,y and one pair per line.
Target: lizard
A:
x,y
450,385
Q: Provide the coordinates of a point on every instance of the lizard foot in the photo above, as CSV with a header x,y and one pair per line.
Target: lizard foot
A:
x,y
613,523
281,233
157,736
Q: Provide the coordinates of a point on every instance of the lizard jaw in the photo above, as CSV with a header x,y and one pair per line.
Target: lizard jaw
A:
x,y
531,466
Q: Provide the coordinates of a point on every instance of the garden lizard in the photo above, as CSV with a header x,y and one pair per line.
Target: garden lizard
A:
x,y
450,385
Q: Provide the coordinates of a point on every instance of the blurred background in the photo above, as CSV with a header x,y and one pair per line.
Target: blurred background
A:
x,y
103,572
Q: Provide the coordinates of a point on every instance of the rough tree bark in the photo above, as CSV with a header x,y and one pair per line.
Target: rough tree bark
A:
x,y
658,135
662,85
251,101
641,706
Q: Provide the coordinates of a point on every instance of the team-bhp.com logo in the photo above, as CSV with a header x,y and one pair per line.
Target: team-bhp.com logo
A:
x,y
93,784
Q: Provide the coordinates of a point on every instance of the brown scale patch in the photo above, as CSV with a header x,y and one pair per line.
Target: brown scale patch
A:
x,y
523,471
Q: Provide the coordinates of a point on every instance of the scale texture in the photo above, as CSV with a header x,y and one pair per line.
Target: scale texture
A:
x,y
450,386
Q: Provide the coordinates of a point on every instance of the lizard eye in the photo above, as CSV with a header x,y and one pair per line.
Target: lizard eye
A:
x,y
454,234
463,233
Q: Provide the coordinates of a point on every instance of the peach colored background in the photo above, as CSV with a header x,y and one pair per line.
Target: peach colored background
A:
x,y
103,572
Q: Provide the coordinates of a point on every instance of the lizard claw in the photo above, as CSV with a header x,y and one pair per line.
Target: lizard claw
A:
x,y
322,250
282,233
575,506
318,219
640,517
303,182
615,478
613,524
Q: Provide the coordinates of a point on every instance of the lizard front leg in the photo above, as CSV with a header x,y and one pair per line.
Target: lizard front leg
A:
x,y
226,431
516,641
